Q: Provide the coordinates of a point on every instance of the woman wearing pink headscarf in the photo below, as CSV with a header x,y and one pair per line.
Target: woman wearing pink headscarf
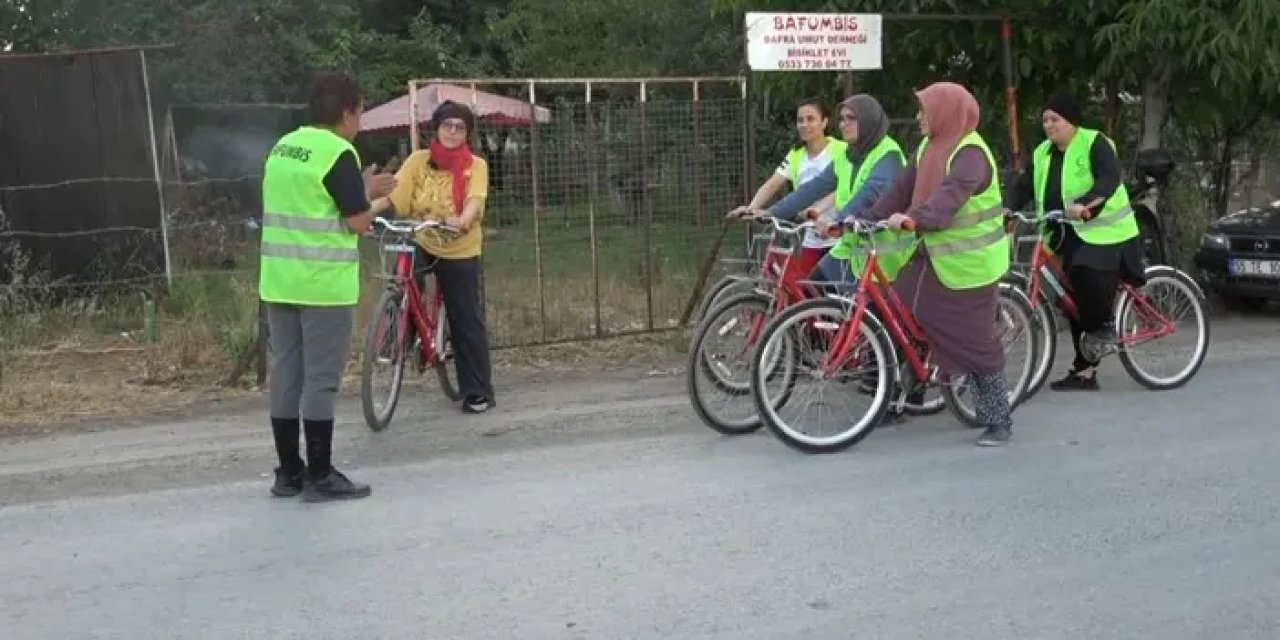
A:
x,y
950,196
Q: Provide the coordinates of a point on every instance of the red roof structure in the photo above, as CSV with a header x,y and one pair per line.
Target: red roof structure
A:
x,y
489,108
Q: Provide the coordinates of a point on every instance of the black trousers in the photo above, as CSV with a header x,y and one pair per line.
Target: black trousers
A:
x,y
459,281
1094,291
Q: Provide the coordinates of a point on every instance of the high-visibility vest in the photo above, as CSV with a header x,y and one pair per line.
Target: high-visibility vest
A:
x,y
795,157
973,251
1115,223
893,248
308,257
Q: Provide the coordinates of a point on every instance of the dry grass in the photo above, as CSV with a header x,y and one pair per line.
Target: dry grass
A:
x,y
74,385
87,360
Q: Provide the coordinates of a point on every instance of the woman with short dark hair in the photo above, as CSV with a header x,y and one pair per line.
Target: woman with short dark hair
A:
x,y
315,204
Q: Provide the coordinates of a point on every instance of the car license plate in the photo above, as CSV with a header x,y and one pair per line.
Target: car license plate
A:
x,y
1260,268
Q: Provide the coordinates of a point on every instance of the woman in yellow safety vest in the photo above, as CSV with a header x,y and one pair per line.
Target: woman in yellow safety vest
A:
x,y
950,196
806,161
858,178
1075,171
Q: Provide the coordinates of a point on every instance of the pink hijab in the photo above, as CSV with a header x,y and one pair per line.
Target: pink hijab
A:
x,y
952,113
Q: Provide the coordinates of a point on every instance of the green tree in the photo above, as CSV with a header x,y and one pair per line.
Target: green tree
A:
x,y
619,38
1169,50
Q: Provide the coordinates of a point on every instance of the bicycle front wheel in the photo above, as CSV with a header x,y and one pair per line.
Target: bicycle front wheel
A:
x,y
725,288
720,362
383,360
839,393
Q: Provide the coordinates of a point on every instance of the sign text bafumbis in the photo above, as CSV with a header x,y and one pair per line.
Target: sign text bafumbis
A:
x,y
813,41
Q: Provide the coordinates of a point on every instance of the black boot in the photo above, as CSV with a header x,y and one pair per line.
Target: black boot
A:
x,y
292,469
334,486
324,483
288,484
1076,381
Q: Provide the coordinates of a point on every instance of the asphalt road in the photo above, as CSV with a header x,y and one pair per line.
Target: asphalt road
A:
x,y
602,509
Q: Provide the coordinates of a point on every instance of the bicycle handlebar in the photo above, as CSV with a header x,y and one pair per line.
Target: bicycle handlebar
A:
x,y
785,227
853,225
862,227
410,227
1057,215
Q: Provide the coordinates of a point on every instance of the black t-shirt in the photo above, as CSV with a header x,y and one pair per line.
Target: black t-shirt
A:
x,y
346,186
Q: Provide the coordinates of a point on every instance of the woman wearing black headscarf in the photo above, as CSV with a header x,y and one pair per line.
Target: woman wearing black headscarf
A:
x,y
1075,171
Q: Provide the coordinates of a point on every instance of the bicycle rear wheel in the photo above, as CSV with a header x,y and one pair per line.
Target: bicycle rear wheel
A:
x,y
384,346
801,419
1045,321
443,348
1021,346
1167,298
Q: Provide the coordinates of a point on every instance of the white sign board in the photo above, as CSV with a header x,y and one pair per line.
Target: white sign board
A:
x,y
813,41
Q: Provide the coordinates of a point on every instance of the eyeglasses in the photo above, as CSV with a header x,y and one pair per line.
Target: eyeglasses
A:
x,y
454,125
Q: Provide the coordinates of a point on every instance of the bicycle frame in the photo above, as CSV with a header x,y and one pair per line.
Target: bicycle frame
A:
x,y
782,291
1043,265
424,320
776,264
901,323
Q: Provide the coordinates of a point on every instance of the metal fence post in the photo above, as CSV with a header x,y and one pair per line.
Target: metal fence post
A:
x,y
592,197
537,223
648,203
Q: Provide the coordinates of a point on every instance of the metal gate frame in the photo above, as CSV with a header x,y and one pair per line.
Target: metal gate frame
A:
x,y
642,85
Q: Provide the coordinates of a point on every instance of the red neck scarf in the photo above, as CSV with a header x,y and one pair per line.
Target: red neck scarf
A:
x,y
455,161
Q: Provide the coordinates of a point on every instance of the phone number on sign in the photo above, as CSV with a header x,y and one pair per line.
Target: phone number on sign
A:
x,y
810,65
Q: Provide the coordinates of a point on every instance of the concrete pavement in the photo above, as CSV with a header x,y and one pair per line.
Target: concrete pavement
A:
x,y
604,510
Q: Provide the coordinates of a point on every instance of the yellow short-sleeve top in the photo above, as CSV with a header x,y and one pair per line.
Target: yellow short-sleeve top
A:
x,y
425,193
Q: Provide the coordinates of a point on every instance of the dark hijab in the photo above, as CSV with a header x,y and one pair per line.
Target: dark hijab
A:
x,y
873,124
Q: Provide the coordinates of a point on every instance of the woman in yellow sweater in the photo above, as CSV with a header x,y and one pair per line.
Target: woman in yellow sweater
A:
x,y
447,182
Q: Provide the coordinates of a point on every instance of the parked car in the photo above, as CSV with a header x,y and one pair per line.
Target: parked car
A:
x,y
1239,257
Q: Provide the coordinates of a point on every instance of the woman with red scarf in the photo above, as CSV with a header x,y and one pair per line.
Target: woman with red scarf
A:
x,y
447,182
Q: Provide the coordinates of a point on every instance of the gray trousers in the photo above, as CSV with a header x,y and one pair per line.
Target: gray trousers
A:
x,y
309,347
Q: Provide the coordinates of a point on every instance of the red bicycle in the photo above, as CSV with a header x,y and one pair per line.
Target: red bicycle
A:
x,y
400,322
857,347
730,328
1141,314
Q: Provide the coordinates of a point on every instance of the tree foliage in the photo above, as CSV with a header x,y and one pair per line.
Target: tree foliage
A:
x,y
1205,73
619,38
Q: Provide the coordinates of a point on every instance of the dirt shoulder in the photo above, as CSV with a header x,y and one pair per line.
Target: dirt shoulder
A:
x,y
72,388
230,446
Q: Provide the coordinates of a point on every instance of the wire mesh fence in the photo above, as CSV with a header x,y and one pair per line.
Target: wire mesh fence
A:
x,y
602,218
603,209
